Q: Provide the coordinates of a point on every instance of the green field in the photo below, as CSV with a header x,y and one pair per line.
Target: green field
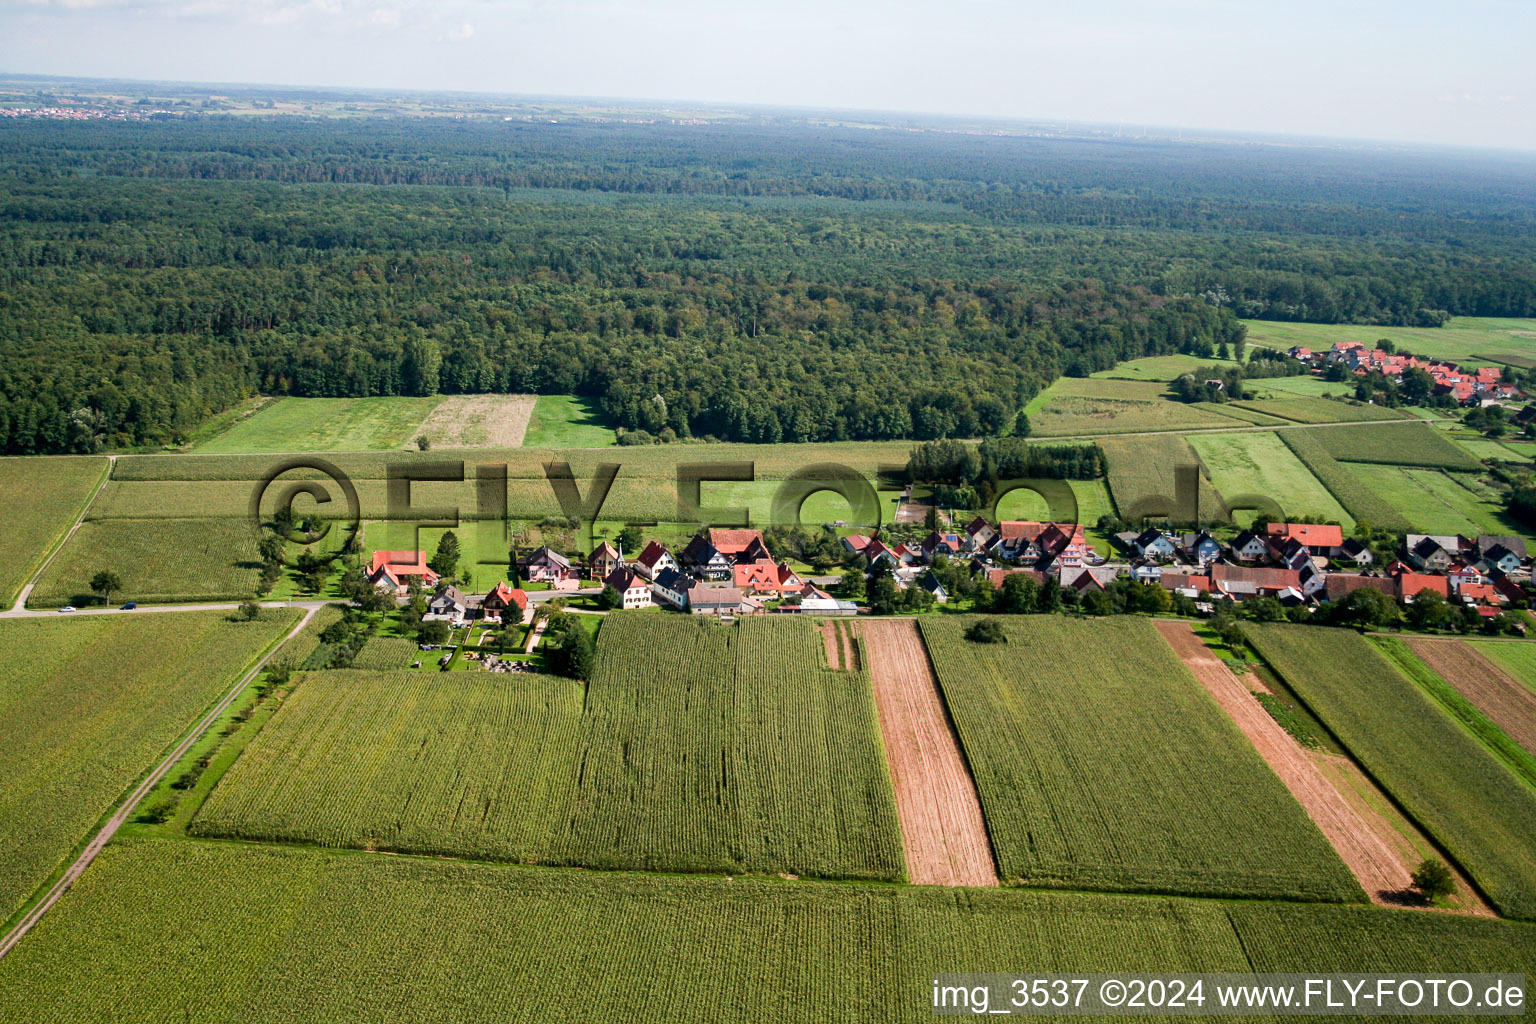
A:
x,y
325,425
1453,786
1092,406
385,653
1142,474
696,747
89,703
1304,385
1468,341
1302,409
1102,764
1363,504
1092,497
1518,659
1159,368
1435,501
41,498
1395,444
567,421
1261,464
163,930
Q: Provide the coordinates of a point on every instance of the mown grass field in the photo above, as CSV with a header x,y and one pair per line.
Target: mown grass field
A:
x,y
325,425
1260,463
1102,764
1363,504
1452,785
697,748
567,421
1466,340
88,704
1304,409
41,498
1305,385
1395,444
1435,501
1159,368
1142,475
1091,406
283,934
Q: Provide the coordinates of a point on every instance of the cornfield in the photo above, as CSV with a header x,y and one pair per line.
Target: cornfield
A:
x,y
168,930
1452,785
1102,764
696,747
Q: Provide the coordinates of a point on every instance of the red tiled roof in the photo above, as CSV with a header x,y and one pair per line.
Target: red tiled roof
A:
x,y
1342,584
652,554
1020,529
504,596
1482,593
995,576
1410,583
759,575
401,563
1310,534
734,542
1264,579
856,541
624,579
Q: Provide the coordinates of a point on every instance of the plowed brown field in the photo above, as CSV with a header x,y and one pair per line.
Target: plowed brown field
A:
x,y
943,832
1496,693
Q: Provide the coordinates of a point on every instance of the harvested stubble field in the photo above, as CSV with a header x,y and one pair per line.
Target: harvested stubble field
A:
x,y
1452,785
1519,660
160,930
41,498
477,421
88,704
1507,703
1103,764
698,748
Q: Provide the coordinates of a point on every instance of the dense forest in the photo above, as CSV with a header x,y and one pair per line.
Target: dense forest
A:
x,y
759,282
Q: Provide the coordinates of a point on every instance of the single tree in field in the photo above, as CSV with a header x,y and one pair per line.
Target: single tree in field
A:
x,y
104,583
1433,879
250,611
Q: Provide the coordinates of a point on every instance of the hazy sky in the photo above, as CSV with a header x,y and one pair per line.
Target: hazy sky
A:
x,y
1452,72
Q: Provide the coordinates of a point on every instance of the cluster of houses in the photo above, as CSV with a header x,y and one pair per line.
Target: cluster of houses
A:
x,y
722,573
1468,387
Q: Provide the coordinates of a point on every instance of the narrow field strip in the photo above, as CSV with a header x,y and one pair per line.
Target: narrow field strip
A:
x,y
943,832
1497,694
1380,870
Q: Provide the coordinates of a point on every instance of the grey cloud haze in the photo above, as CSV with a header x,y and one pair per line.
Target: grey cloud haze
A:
x,y
1415,71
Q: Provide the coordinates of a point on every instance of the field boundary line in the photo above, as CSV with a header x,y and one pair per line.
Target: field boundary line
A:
x,y
59,542
126,809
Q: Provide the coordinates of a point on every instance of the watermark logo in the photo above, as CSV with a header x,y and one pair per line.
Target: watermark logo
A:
x,y
296,529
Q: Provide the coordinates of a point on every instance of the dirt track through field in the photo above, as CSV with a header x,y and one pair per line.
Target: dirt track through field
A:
x,y
943,832
1379,869
1495,692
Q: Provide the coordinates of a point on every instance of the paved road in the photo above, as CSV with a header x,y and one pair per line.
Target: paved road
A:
x,y
130,805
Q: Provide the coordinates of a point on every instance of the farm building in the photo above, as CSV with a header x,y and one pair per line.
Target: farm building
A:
x,y
722,601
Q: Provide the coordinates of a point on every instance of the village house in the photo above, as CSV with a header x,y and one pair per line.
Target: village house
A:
x,y
391,572
674,587
702,559
450,605
1239,582
1503,553
603,560
1432,553
546,565
505,604
1249,547
1321,540
1154,544
653,560
1200,548
1355,552
1016,540
739,546
936,544
632,587
979,535
767,578
931,583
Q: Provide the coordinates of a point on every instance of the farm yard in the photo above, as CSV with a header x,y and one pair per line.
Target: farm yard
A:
x,y
668,763
1079,735
41,498
88,704
277,934
1446,780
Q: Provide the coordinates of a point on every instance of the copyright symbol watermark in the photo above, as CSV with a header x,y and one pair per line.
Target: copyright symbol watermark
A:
x,y
301,529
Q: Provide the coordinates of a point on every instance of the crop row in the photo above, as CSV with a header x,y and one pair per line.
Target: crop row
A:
x,y
1410,443
1306,409
165,930
41,498
89,702
697,748
1472,805
1363,504
1102,764
1145,475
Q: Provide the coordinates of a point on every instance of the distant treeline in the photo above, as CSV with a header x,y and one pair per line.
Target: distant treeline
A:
x,y
707,281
